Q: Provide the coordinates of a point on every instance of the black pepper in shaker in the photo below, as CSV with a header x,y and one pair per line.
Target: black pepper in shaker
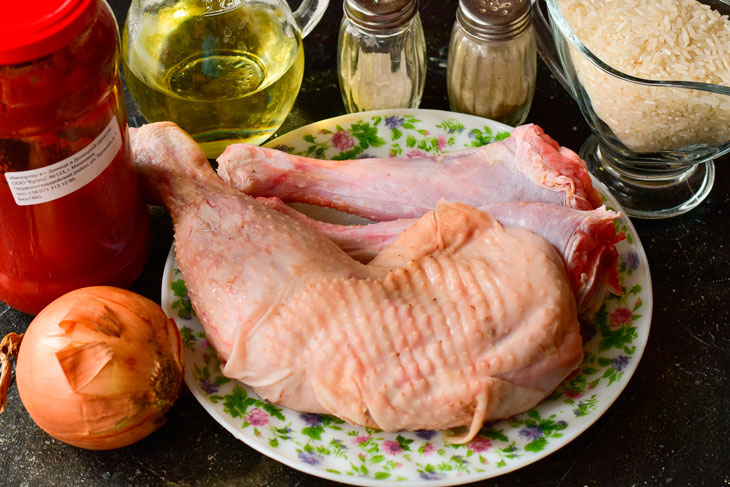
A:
x,y
381,55
492,60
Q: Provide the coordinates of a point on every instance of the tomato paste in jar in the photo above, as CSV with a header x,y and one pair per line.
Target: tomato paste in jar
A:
x,y
70,209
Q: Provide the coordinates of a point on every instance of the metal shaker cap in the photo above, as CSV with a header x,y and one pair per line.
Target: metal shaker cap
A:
x,y
495,19
380,14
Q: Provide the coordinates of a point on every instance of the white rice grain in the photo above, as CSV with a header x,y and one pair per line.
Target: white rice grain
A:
x,y
678,40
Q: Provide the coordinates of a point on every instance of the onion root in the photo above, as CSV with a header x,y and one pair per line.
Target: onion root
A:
x,y
9,347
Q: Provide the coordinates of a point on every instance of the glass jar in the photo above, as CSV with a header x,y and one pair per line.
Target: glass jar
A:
x,y
70,209
492,60
381,55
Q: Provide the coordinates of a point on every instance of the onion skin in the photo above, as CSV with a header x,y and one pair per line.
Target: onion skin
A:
x,y
100,367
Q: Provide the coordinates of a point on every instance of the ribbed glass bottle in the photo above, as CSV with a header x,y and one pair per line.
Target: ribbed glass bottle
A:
x,y
492,60
381,55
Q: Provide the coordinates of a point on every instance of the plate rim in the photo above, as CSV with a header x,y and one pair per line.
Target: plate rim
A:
x,y
555,444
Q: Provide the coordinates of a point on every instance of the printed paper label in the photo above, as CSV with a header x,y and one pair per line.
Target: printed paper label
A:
x,y
64,177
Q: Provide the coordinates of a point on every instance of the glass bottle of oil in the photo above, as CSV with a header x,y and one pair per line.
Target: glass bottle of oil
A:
x,y
225,71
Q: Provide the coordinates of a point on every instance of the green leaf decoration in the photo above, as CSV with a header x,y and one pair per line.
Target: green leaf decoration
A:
x,y
235,402
314,432
271,409
451,126
495,435
350,154
484,137
182,304
404,443
377,459
617,338
366,135
536,445
187,337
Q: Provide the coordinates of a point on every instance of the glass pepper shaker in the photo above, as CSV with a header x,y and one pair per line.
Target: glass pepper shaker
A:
x,y
381,55
492,60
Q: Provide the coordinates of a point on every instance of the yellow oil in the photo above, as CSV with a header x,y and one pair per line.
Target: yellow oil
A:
x,y
224,78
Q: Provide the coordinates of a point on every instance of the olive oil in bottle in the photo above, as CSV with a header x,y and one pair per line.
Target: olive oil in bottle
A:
x,y
223,77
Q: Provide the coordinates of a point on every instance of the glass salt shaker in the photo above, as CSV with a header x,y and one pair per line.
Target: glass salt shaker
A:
x,y
381,55
492,60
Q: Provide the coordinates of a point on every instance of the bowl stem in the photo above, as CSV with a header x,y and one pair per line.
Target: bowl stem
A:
x,y
646,193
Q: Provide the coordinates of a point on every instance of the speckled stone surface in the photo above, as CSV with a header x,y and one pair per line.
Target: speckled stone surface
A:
x,y
670,426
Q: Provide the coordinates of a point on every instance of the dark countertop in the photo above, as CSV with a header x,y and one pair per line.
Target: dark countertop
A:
x,y
670,426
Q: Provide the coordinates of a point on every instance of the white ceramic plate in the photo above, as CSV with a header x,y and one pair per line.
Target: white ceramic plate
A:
x,y
325,446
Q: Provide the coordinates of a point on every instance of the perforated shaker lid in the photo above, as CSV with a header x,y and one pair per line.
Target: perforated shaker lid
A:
x,y
495,19
380,14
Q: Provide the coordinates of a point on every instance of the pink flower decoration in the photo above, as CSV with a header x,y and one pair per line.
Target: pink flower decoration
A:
x,y
416,153
361,439
428,449
342,141
258,417
391,447
480,444
440,142
621,316
573,394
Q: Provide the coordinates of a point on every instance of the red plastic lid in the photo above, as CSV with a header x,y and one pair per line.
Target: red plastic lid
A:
x,y
34,28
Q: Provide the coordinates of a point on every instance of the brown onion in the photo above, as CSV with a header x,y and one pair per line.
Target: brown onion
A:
x,y
99,368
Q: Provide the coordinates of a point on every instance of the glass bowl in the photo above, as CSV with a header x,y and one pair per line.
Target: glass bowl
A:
x,y
653,142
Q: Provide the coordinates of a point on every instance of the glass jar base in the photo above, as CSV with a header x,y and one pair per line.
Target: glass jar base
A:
x,y
649,195
32,295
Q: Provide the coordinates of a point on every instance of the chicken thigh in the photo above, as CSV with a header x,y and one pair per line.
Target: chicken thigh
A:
x,y
585,241
459,321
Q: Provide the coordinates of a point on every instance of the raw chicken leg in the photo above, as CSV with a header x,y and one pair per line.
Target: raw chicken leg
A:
x,y
527,166
584,239
458,322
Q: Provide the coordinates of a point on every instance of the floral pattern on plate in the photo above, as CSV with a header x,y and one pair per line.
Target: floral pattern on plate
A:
x,y
326,446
